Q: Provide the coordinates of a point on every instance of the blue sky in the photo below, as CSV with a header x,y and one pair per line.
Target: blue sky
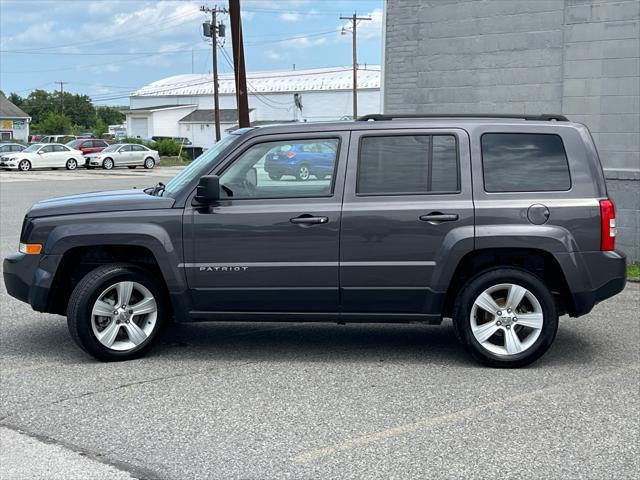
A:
x,y
108,48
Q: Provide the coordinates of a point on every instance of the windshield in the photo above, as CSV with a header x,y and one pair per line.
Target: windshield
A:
x,y
200,165
112,148
33,148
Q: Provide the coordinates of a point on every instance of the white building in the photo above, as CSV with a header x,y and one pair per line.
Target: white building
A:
x,y
14,123
182,105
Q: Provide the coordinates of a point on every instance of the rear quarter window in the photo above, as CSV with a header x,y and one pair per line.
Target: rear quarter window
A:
x,y
524,162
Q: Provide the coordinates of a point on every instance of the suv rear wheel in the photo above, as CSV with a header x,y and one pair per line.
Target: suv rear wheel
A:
x,y
505,317
116,312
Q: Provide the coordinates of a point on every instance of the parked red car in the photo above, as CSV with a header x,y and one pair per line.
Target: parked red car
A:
x,y
88,145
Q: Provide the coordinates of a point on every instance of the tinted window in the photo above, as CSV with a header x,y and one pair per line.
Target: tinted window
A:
x,y
519,162
408,164
138,148
47,149
286,169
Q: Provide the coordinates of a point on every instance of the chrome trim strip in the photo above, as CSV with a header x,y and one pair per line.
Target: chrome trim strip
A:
x,y
310,264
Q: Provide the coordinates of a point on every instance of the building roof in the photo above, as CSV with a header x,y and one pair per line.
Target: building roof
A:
x,y
9,110
329,78
155,107
206,116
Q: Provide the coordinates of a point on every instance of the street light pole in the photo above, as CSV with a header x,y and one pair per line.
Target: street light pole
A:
x,y
354,25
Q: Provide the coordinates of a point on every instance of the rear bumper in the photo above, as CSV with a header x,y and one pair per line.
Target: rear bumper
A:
x,y
29,277
605,275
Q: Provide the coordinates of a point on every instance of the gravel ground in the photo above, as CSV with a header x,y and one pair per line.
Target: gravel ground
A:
x,y
311,401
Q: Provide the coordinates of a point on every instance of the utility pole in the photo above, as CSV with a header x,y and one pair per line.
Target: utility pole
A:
x,y
354,25
238,64
213,33
61,96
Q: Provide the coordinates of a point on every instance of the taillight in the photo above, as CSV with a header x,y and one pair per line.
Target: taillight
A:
x,y
290,154
607,225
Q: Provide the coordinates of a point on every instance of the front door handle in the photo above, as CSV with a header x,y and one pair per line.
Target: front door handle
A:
x,y
307,219
438,217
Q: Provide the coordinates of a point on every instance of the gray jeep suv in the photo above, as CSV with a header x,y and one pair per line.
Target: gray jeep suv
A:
x,y
501,223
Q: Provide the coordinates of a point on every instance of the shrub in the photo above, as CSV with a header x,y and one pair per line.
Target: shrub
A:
x,y
167,148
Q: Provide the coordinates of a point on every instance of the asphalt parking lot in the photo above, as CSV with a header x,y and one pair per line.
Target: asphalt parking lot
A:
x,y
271,401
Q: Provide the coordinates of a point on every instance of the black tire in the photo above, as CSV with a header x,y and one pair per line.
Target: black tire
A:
x,y
304,173
275,176
481,282
87,292
24,165
72,164
131,167
149,163
108,163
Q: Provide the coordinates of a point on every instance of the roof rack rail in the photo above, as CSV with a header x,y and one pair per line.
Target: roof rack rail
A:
x,y
392,116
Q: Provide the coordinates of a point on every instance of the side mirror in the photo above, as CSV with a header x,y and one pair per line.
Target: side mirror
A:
x,y
252,176
208,190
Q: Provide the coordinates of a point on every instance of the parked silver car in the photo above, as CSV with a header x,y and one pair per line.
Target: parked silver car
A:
x,y
123,155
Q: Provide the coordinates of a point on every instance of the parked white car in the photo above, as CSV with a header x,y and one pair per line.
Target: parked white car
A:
x,y
42,155
123,155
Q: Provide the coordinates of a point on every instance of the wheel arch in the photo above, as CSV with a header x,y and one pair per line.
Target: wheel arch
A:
x,y
539,262
151,248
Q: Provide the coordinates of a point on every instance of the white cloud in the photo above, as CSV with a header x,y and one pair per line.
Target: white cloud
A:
x,y
290,17
303,42
271,55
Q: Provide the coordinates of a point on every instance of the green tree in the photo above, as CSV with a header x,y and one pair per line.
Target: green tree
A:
x,y
16,99
53,124
100,128
110,115
38,104
78,108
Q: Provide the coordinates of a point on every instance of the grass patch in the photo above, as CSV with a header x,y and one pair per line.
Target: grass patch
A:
x,y
173,162
633,270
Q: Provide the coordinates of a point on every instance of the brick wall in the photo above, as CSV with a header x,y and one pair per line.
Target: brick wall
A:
x,y
577,57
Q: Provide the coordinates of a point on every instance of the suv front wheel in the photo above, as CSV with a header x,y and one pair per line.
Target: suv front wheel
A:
x,y
116,312
505,317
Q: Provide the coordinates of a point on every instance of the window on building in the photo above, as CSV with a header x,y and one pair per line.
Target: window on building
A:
x,y
520,162
408,164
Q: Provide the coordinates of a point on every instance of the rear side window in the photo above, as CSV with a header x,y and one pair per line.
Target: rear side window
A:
x,y
521,162
408,164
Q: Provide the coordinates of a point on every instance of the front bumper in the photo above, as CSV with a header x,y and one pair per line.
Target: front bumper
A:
x,y
29,278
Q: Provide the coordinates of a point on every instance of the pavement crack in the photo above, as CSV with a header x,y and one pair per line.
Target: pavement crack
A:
x,y
162,378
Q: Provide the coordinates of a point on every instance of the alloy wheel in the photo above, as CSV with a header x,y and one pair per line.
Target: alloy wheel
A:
x,y
303,172
71,164
24,165
506,319
149,163
124,315
108,164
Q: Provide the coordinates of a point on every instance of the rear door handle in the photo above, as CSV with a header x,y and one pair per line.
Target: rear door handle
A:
x,y
438,217
307,219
